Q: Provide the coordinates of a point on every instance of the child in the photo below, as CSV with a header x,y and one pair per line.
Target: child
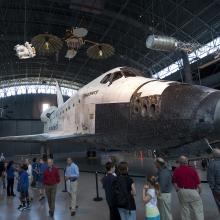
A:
x,y
22,187
150,192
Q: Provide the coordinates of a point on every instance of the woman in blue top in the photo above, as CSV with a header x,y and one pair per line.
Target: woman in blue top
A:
x,y
10,178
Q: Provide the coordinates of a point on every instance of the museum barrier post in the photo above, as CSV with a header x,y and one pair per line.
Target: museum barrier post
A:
x,y
97,198
65,187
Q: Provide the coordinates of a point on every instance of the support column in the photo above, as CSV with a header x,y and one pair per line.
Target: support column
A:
x,y
187,68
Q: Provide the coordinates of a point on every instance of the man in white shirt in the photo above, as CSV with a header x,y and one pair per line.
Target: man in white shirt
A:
x,y
72,175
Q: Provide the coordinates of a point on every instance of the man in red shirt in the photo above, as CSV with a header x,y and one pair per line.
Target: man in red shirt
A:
x,y
187,184
50,179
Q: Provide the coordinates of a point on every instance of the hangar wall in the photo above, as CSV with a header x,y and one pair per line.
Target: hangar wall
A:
x,y
26,106
19,127
24,118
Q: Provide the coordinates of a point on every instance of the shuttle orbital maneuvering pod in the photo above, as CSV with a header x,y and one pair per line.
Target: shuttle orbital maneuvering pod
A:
x,y
122,108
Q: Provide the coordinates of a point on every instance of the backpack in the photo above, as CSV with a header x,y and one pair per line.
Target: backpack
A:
x,y
120,192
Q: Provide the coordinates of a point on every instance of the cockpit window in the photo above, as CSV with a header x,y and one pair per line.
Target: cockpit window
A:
x,y
111,77
128,74
116,75
124,71
106,79
131,72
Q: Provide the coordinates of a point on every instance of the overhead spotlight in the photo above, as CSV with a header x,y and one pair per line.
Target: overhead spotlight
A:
x,y
25,51
46,45
100,51
165,43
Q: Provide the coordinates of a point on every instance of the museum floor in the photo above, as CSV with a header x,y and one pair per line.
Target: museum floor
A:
x,y
88,209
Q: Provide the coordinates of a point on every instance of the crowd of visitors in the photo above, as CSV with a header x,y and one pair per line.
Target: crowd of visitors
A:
x,y
43,176
119,187
120,191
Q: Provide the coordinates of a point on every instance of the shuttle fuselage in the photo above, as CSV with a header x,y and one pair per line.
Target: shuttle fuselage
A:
x,y
121,108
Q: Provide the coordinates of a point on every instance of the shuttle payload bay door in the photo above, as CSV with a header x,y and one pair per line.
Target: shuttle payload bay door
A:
x,y
85,118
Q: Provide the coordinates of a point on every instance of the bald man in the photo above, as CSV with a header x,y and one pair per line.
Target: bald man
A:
x,y
51,178
165,182
187,184
213,176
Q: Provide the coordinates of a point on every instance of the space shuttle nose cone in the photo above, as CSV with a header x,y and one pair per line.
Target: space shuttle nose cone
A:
x,y
217,117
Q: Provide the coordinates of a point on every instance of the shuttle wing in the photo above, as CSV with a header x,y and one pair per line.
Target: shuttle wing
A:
x,y
44,137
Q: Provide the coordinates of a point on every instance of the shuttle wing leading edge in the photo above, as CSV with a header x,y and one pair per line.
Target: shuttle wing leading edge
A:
x,y
42,138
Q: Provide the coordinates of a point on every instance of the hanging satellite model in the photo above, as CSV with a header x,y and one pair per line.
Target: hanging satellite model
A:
x,y
100,51
74,39
164,43
47,44
25,51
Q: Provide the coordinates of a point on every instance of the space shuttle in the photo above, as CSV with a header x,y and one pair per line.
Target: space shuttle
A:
x,y
122,108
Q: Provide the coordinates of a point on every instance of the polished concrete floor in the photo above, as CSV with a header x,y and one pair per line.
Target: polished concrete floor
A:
x,y
88,209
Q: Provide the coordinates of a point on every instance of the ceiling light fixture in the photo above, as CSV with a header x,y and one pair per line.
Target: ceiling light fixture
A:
x,y
46,44
100,51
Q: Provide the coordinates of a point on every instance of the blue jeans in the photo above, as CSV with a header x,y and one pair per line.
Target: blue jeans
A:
x,y
127,214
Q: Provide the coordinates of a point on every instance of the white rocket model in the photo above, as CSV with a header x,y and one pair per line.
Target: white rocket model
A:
x,y
122,108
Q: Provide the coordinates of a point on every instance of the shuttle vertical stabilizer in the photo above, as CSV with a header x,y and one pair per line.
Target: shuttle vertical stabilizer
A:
x,y
59,95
